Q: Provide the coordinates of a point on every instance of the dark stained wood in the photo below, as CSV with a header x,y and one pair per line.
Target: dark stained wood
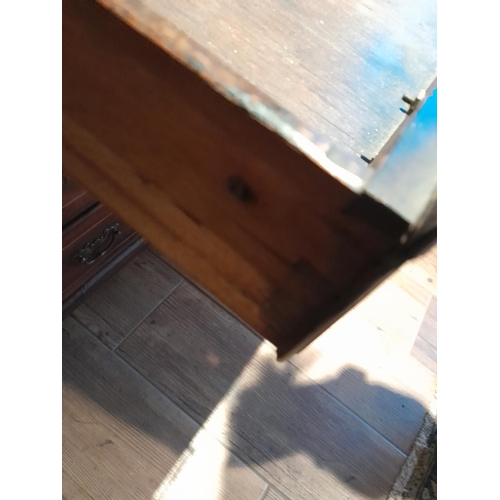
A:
x,y
75,200
123,439
121,303
293,432
342,66
81,215
85,230
92,283
160,147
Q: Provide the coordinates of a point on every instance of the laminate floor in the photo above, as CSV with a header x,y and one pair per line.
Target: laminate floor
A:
x,y
167,396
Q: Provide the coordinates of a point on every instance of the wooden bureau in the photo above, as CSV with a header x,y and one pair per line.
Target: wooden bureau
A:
x,y
95,242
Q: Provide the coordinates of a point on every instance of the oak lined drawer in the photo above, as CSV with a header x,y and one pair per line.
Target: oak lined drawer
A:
x,y
90,243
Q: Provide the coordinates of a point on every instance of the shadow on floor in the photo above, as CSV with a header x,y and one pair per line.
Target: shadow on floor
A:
x,y
273,419
300,422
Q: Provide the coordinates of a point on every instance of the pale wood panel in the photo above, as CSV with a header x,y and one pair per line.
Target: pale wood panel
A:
x,y
292,432
123,439
123,301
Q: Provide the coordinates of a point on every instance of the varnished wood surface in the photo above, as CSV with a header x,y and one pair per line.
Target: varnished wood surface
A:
x,y
75,200
163,149
340,66
85,230
100,277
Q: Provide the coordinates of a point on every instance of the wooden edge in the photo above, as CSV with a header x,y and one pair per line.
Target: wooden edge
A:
x,y
74,300
384,153
364,287
350,170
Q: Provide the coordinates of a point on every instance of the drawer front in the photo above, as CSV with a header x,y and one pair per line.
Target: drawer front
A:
x,y
91,243
75,200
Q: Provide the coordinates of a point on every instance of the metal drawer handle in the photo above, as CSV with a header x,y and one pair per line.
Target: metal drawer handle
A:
x,y
92,251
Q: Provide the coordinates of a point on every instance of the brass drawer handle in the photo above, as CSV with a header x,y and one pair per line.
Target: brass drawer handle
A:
x,y
92,251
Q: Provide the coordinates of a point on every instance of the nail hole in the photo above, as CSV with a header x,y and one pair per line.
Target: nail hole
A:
x,y
240,189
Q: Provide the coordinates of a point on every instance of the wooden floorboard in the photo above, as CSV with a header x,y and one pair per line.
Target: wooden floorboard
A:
x,y
71,489
191,395
191,349
426,353
121,303
123,439
425,345
360,360
294,434
395,311
272,494
423,270
428,330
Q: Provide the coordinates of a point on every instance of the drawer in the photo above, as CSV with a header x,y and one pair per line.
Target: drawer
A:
x,y
75,200
89,244
249,216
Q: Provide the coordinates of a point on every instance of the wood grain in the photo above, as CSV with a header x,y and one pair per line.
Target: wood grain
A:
x,y
425,352
272,494
423,270
75,200
371,348
86,230
372,373
395,311
90,286
121,303
161,147
294,434
122,439
428,329
342,66
192,348
71,490
425,346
